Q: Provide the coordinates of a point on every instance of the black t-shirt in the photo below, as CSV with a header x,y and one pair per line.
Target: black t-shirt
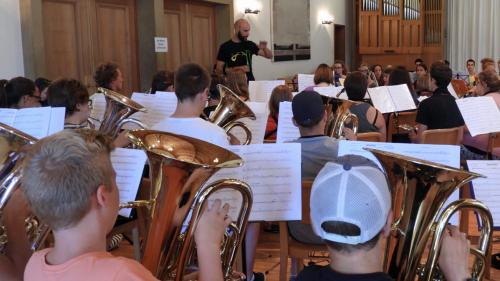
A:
x,y
440,111
238,54
325,273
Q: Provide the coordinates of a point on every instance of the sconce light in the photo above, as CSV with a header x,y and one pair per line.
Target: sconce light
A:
x,y
325,17
251,11
327,21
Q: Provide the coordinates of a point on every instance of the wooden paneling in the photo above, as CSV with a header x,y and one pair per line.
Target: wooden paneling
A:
x,y
368,33
62,30
117,38
411,37
190,29
390,35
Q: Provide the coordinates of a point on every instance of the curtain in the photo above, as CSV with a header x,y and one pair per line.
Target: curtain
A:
x,y
473,31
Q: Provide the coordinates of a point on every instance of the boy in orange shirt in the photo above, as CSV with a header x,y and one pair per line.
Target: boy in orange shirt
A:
x,y
70,184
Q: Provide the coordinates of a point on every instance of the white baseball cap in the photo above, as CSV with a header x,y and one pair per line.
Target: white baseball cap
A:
x,y
351,190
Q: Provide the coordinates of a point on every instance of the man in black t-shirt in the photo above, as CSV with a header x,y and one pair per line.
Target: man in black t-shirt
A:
x,y
236,54
350,207
440,111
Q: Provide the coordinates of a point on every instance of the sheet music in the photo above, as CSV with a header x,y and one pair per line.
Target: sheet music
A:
x,y
260,91
342,80
331,92
128,164
401,97
273,173
421,98
287,131
57,117
8,115
98,108
159,106
452,91
304,81
257,126
443,154
487,190
478,123
389,99
33,121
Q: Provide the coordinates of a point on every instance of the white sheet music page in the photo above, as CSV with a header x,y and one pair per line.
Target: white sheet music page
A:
x,y
98,108
159,106
287,131
452,91
128,165
487,190
443,154
257,126
260,91
7,116
304,81
381,99
401,97
57,116
273,173
477,122
33,121
331,92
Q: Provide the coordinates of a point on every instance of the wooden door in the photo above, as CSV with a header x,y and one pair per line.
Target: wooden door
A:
x,y
117,38
190,29
339,42
65,29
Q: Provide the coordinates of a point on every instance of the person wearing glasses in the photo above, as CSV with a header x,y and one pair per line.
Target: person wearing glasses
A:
x,y
19,92
339,72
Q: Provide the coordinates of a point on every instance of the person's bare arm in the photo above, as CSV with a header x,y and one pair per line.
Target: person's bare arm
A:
x,y
219,67
208,236
379,123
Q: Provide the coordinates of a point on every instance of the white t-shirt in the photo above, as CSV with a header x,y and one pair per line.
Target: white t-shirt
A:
x,y
195,128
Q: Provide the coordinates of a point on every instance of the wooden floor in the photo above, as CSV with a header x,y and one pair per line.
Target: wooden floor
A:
x,y
267,258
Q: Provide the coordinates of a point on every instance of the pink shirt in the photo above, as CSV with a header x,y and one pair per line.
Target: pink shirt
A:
x,y
481,141
93,266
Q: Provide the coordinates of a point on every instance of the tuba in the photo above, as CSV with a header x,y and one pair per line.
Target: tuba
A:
x,y
337,119
179,168
12,145
419,191
117,112
230,109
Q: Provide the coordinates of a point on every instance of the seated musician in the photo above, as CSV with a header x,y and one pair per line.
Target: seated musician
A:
x,y
369,118
354,229
488,84
108,75
81,208
440,111
400,75
323,77
18,93
340,72
74,96
214,94
280,93
191,88
472,76
163,81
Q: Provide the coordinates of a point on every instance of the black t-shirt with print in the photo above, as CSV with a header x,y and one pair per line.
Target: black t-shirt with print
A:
x,y
325,273
440,111
238,54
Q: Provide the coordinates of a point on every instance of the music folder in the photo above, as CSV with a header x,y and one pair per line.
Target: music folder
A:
x,y
389,99
38,122
460,87
481,114
487,189
260,91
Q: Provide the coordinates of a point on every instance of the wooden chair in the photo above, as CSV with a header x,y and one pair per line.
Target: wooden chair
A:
x,y
493,145
441,136
400,118
372,136
290,247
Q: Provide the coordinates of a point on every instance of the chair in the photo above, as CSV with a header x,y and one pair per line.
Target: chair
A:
x,y
400,118
290,247
372,136
493,145
441,136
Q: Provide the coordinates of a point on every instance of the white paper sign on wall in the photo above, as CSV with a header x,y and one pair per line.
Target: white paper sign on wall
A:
x,y
161,44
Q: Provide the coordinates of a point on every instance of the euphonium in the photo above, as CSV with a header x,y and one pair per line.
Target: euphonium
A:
x,y
118,109
230,109
12,143
338,119
179,167
419,190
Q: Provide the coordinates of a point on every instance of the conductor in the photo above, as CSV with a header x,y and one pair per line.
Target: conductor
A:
x,y
235,55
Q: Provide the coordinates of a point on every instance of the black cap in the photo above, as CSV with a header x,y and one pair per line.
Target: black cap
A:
x,y
307,108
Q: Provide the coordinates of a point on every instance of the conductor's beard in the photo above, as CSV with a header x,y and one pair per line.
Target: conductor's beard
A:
x,y
241,37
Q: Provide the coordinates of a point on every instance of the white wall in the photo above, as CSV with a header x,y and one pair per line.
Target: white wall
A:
x,y
11,48
321,36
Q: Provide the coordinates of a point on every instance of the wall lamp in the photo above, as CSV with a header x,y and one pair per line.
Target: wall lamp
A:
x,y
327,22
252,11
